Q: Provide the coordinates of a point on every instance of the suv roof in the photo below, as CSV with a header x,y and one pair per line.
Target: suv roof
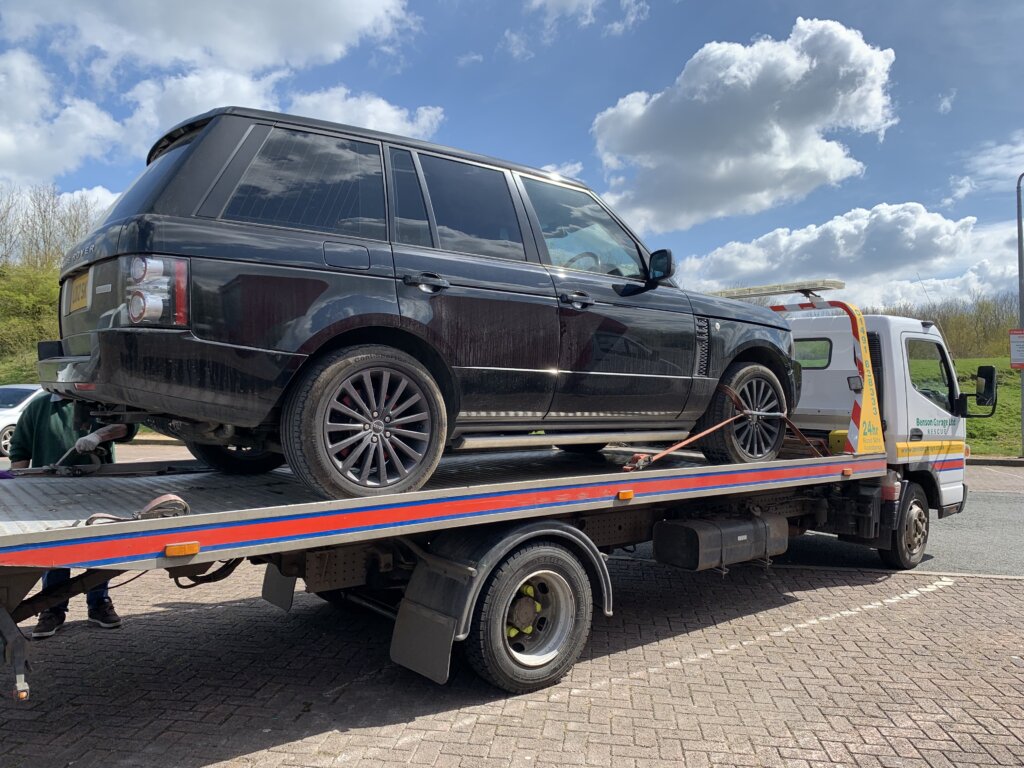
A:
x,y
281,118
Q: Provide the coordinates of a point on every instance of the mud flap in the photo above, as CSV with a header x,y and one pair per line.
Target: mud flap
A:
x,y
278,589
422,641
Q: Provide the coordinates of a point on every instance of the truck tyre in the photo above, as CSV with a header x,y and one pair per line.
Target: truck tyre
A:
x,y
910,539
364,421
745,440
233,460
531,620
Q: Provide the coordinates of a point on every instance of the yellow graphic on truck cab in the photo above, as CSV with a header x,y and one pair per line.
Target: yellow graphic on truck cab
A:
x,y
932,450
869,439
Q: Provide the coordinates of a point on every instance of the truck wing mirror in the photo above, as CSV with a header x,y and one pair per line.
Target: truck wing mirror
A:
x,y
984,394
986,385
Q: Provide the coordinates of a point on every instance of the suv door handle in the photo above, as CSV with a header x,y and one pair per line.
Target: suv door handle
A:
x,y
428,282
578,299
916,434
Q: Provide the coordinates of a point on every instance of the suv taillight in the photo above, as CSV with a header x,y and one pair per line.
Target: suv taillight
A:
x,y
156,290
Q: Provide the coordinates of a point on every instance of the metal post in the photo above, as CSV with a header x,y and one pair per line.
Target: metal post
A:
x,y
1020,300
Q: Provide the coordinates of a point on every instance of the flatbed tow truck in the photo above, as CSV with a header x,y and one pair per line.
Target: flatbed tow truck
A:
x,y
506,552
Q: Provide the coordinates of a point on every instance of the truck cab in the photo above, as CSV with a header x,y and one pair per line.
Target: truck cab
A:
x,y
923,412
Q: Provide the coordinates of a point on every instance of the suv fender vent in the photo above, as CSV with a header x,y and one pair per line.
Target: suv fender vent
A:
x,y
703,362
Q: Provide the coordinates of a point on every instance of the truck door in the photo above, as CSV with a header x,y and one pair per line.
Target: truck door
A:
x,y
935,442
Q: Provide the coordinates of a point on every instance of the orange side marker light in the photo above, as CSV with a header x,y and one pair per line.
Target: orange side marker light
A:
x,y
625,495
182,549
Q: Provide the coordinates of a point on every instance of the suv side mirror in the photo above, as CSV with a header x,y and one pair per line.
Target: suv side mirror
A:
x,y
661,266
984,394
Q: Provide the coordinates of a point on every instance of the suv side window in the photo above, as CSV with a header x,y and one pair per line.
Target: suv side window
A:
x,y
473,208
929,372
580,234
309,181
411,224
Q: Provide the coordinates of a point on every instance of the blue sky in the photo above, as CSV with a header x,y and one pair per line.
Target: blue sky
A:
x,y
762,141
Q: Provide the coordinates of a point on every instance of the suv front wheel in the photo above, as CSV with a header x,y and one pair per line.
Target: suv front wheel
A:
x,y
756,438
364,421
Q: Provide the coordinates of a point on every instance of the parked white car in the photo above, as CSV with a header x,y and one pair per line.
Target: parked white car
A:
x,y
14,398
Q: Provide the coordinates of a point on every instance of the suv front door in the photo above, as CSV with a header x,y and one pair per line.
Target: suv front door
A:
x,y
627,349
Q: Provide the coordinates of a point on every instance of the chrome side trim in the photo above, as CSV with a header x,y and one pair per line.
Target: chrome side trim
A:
x,y
471,443
556,372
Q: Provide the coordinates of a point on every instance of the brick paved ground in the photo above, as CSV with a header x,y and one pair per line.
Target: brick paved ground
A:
x,y
795,667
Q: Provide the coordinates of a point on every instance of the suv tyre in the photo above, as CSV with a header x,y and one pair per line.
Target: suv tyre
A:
x,y
745,440
364,421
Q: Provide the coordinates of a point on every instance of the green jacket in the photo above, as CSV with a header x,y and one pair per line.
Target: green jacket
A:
x,y
45,432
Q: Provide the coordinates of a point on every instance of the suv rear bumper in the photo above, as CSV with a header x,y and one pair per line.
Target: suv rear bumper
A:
x,y
172,372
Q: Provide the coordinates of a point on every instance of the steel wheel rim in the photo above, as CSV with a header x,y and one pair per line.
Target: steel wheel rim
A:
x,y
917,527
539,618
5,440
756,435
377,427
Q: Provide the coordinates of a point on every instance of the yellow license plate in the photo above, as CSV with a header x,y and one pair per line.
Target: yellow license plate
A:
x,y
79,293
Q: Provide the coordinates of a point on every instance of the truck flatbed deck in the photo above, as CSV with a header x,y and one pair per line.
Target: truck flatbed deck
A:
x,y
42,519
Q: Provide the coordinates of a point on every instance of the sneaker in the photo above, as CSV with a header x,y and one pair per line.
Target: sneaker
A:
x,y
104,615
50,621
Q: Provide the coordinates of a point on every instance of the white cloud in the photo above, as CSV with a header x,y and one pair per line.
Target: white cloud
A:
x,y
516,45
885,255
946,101
960,187
570,170
263,35
367,111
168,67
469,58
992,168
743,128
635,11
44,134
582,11
161,103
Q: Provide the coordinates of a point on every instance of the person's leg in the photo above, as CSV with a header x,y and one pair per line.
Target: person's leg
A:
x,y
101,609
51,619
55,578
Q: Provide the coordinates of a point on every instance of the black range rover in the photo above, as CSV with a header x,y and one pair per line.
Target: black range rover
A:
x,y
274,288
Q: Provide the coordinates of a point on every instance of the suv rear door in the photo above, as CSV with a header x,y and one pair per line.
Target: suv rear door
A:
x,y
627,349
472,282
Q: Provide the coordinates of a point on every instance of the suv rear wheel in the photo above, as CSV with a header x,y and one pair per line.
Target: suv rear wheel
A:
x,y
364,421
751,439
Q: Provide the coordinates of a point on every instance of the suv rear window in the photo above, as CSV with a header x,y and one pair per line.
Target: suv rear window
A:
x,y
473,208
139,195
309,181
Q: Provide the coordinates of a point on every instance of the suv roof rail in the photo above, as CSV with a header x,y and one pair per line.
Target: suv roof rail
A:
x,y
806,287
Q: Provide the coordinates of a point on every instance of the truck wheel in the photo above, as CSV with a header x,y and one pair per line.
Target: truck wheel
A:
x,y
910,539
235,460
364,421
5,440
745,440
532,619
